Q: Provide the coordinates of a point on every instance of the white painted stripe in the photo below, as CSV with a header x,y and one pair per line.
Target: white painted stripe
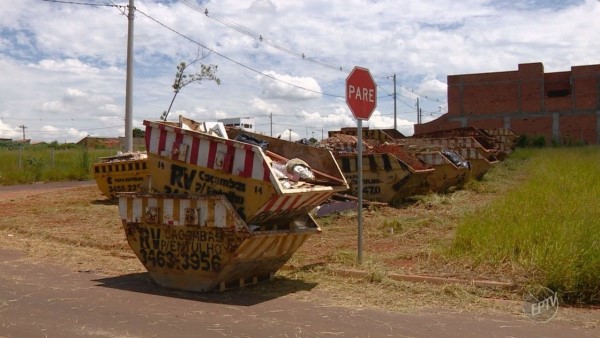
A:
x,y
154,140
203,152
137,210
168,211
123,207
220,215
239,159
187,140
203,212
169,144
257,164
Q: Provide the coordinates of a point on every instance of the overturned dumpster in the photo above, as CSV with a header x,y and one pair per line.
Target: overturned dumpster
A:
x,y
223,208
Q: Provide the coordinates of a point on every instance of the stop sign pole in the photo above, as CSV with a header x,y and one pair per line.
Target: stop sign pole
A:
x,y
361,97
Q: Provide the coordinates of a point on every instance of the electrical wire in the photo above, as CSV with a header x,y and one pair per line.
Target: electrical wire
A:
x,y
232,60
258,37
84,3
261,38
246,31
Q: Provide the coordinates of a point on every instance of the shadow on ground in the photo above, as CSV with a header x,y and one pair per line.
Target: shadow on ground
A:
x,y
248,296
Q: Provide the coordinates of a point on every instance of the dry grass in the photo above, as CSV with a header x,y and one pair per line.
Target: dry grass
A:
x,y
78,229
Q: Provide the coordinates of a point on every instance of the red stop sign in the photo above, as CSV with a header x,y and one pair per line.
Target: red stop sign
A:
x,y
361,93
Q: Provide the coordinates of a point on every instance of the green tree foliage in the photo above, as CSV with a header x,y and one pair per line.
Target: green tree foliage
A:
x,y
137,132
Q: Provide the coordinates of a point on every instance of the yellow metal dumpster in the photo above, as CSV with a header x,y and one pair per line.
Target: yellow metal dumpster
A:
x,y
479,158
199,243
120,173
252,171
219,210
385,177
448,171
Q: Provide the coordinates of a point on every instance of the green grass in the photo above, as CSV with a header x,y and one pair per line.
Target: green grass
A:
x,y
549,227
42,163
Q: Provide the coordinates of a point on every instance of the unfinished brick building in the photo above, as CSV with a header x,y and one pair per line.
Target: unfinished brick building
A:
x,y
561,106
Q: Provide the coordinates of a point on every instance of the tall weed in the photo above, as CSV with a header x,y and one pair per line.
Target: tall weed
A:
x,y
549,226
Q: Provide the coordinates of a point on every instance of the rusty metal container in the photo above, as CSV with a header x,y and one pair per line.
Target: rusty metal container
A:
x,y
386,177
390,174
120,173
504,139
480,159
449,171
252,171
200,243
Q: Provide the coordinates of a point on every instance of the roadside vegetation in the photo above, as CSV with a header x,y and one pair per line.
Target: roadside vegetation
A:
x,y
24,164
547,229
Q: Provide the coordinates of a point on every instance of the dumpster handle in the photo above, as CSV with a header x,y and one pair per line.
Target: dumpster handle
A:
x,y
281,158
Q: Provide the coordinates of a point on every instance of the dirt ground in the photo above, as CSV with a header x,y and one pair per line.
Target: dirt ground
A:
x,y
77,228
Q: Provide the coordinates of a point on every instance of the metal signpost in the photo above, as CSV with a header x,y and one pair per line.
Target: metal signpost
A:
x,y
361,97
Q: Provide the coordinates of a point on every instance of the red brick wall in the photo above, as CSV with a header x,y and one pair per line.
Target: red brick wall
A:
x,y
529,98
578,128
440,123
488,124
533,126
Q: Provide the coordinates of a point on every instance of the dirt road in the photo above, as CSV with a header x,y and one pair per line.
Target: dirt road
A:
x,y
49,301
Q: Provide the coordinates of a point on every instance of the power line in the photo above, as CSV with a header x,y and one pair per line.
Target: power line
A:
x,y
57,130
261,38
258,37
232,60
83,3
246,31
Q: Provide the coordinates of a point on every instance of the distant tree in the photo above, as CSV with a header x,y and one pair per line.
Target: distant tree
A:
x,y
206,72
137,132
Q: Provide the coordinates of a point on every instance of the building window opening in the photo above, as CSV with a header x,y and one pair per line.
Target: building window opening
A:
x,y
559,93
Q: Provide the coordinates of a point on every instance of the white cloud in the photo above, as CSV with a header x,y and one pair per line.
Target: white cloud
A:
x,y
264,106
52,107
8,131
278,86
66,68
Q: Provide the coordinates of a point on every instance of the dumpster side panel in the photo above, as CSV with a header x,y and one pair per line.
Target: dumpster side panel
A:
x,y
320,160
119,176
382,175
445,174
246,195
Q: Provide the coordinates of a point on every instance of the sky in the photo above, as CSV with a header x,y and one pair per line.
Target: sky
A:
x,y
63,63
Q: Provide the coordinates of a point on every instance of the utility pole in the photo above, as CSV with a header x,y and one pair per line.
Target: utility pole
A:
x,y
418,112
271,117
395,102
129,81
23,127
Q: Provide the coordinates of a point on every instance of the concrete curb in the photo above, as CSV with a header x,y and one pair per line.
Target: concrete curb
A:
x,y
352,273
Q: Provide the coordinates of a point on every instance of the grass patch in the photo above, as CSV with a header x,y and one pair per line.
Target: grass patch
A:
x,y
546,229
43,163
